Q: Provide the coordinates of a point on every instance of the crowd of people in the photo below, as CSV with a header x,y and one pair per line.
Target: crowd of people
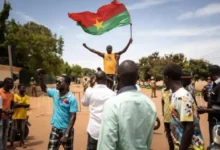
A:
x,y
13,108
113,123
121,118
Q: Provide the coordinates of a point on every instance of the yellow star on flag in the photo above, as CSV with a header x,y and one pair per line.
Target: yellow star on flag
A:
x,y
99,24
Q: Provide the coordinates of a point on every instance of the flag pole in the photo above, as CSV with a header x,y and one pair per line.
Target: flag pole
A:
x,y
131,30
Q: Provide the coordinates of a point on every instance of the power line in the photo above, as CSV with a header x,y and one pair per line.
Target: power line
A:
x,y
210,53
213,58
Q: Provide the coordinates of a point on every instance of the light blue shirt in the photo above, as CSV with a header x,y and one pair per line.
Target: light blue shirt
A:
x,y
62,107
128,122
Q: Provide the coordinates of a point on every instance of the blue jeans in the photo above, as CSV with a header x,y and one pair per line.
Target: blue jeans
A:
x,y
4,126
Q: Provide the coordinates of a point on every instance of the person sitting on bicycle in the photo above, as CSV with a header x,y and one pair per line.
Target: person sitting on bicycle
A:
x,y
21,103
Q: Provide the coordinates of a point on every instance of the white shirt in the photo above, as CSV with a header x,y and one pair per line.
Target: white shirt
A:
x,y
138,88
0,102
95,98
217,81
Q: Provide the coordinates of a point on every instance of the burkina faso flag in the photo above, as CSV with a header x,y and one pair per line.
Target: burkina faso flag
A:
x,y
106,18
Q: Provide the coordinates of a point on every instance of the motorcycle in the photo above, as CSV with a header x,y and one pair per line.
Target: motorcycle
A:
x,y
157,124
216,129
17,135
216,137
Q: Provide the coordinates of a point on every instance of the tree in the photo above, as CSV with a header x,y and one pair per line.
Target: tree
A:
x,y
154,64
199,68
4,14
35,46
88,72
76,71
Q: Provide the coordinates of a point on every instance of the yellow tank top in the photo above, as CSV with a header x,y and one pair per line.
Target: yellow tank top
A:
x,y
109,63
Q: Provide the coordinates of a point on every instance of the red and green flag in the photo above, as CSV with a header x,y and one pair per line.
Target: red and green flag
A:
x,y
105,19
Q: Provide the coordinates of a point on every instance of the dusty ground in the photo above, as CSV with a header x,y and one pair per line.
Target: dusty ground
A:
x,y
40,129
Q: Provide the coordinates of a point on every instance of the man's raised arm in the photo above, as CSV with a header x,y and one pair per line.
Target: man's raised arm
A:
x,y
126,48
42,83
94,51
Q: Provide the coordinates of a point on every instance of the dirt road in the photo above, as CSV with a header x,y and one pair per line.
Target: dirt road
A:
x,y
40,129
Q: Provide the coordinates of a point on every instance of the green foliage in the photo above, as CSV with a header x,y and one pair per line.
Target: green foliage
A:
x,y
88,72
4,14
35,46
154,64
77,71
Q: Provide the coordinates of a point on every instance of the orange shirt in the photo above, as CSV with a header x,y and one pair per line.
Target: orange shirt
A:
x,y
7,98
109,63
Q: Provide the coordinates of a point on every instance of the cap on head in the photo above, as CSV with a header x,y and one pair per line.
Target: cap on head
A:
x,y
128,73
214,70
186,75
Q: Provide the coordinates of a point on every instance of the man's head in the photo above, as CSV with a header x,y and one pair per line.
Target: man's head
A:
x,y
109,49
99,69
209,80
8,84
21,89
101,77
186,78
214,71
172,73
63,83
127,73
85,79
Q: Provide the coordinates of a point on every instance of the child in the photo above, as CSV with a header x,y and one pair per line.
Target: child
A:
x,y
21,103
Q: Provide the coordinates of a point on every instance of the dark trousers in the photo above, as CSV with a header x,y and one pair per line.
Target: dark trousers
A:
x,y
153,92
18,124
91,143
34,91
168,134
4,127
110,83
211,126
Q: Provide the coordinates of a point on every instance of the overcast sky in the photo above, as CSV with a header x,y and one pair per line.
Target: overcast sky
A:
x,y
191,27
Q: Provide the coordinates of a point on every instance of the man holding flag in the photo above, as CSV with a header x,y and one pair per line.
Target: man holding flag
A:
x,y
109,59
105,19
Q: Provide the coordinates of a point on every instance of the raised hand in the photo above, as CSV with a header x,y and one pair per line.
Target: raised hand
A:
x,y
84,44
131,40
41,73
